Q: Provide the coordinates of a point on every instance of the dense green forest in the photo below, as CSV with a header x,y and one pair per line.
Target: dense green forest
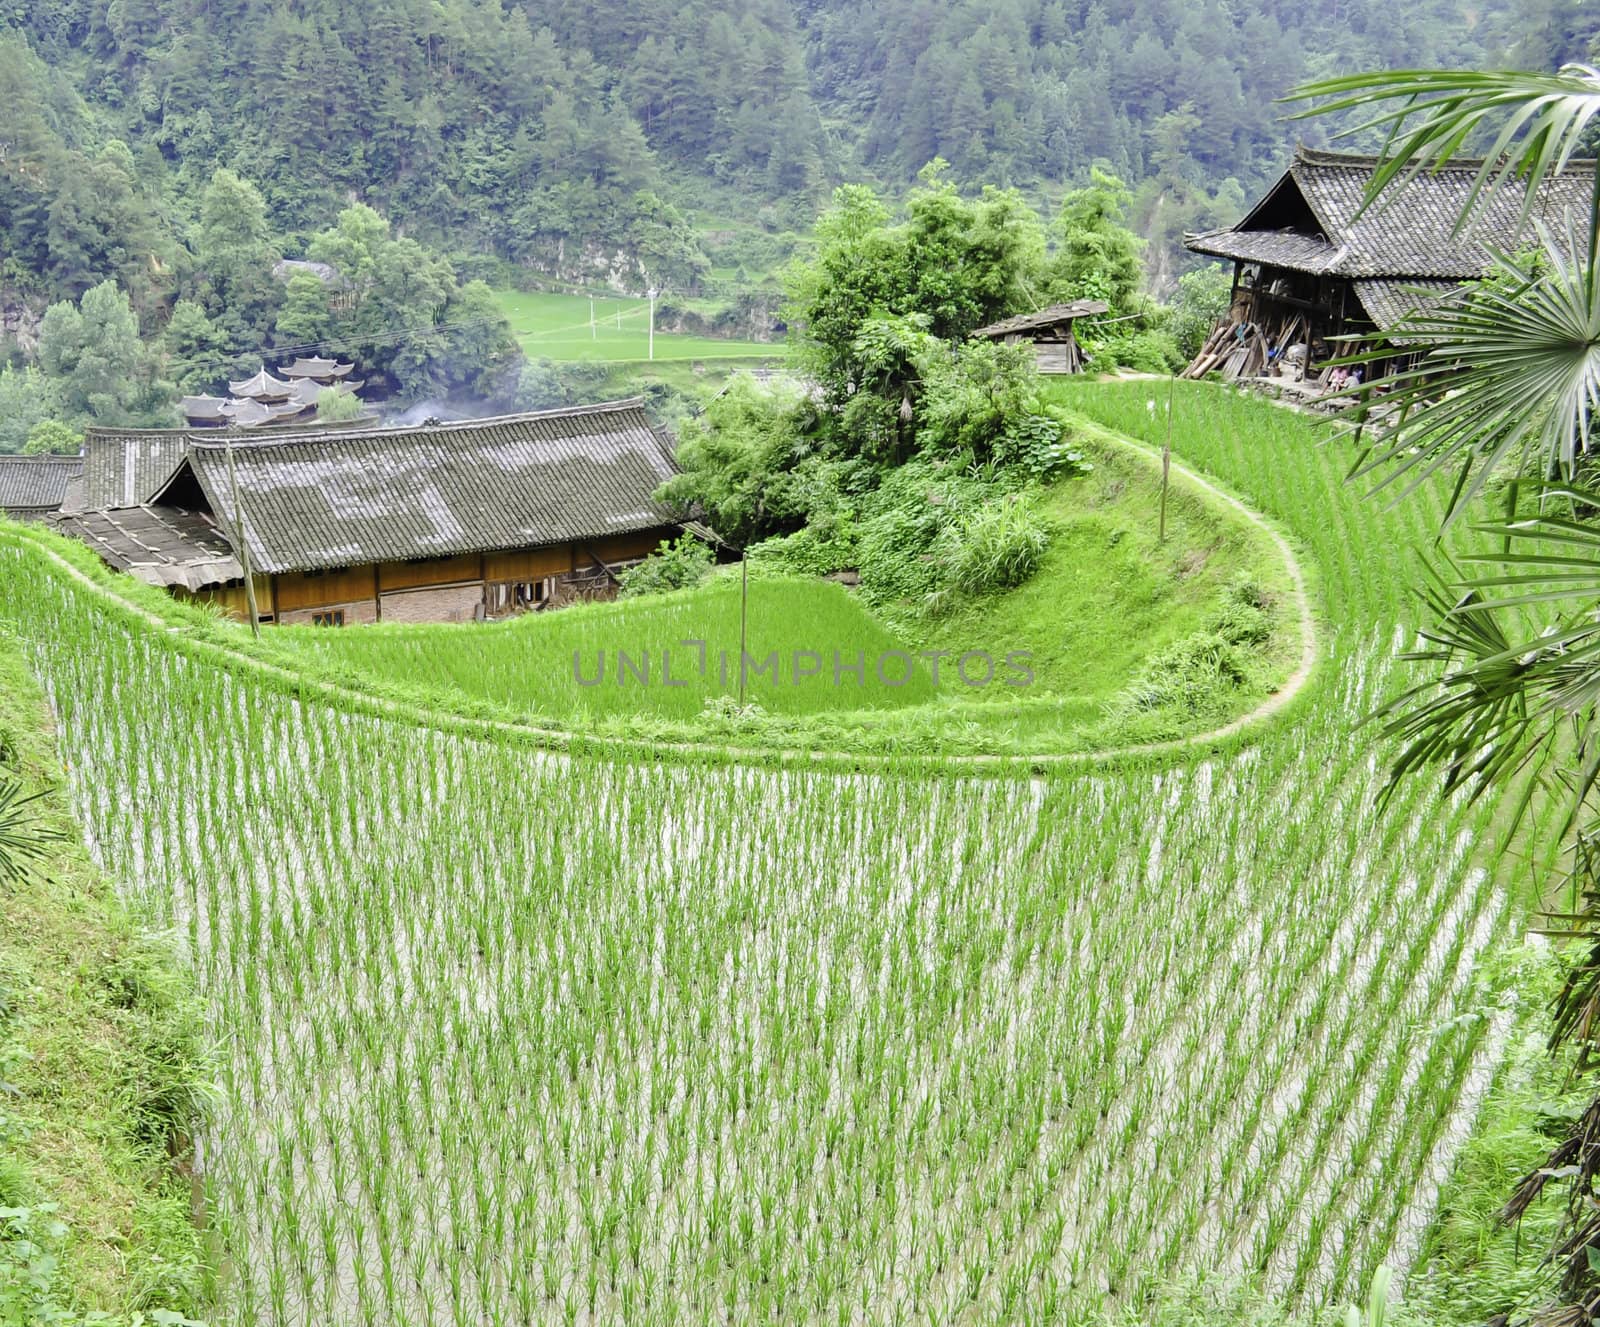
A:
x,y
537,131
160,158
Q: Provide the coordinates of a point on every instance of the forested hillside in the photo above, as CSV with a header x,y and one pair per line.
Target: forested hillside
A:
x,y
533,131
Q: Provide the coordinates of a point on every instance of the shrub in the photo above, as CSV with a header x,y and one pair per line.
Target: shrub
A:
x,y
1187,675
1038,446
1149,351
677,564
1245,617
830,543
995,547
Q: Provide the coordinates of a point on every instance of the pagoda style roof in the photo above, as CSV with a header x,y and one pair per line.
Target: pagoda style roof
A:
x,y
203,408
321,369
307,391
1053,316
261,386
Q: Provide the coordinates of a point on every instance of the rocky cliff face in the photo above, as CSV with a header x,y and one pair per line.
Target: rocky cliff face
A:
x,y
20,316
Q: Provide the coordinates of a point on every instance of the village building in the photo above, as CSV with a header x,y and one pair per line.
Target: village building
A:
x,y
442,523
1055,347
32,488
1312,280
263,400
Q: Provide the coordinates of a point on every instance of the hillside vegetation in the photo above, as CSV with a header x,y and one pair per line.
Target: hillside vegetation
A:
x,y
103,1070
563,134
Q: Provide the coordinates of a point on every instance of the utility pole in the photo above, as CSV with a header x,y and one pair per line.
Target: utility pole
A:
x,y
652,322
1166,464
744,616
243,547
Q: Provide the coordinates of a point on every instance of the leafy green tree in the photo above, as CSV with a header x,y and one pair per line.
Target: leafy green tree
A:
x,y
197,350
737,464
1201,301
101,370
860,268
482,354
306,318
51,436
336,407
1099,255
970,262
27,399
234,256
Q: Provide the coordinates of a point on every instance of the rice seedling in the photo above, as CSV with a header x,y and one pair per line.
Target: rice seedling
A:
x,y
516,1037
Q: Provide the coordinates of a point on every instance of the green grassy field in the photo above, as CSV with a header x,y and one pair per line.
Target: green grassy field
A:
x,y
565,665
1104,566
557,327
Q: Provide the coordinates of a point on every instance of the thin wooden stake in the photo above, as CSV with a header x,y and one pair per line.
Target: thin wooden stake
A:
x,y
1166,465
744,614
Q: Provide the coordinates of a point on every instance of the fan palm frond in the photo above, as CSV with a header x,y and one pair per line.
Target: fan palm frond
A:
x,y
22,839
1512,377
1539,122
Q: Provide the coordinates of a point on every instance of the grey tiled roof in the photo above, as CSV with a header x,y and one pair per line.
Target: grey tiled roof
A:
x,y
33,484
1275,248
1056,313
316,367
334,499
1407,231
1387,302
125,467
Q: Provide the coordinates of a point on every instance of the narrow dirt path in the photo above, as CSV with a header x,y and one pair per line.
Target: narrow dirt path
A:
x,y
1297,680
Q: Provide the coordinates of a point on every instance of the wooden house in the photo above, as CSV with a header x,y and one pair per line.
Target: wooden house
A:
x,y
1050,332
1308,270
442,523
32,488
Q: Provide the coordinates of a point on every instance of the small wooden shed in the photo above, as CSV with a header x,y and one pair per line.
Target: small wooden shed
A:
x,y
1050,331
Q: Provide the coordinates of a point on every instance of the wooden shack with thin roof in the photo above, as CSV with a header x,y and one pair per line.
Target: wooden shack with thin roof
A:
x,y
1049,331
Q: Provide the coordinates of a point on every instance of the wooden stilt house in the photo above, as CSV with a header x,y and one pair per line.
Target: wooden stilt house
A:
x,y
441,523
1308,270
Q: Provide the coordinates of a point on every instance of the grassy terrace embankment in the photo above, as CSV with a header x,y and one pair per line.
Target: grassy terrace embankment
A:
x,y
1109,610
101,1070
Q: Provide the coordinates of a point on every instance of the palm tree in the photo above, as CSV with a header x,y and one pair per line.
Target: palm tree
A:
x,y
1514,639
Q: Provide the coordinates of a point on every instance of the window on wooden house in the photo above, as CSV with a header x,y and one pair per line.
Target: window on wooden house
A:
x,y
333,617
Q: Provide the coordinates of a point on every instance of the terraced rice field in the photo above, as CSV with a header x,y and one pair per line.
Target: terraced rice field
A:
x,y
514,1037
